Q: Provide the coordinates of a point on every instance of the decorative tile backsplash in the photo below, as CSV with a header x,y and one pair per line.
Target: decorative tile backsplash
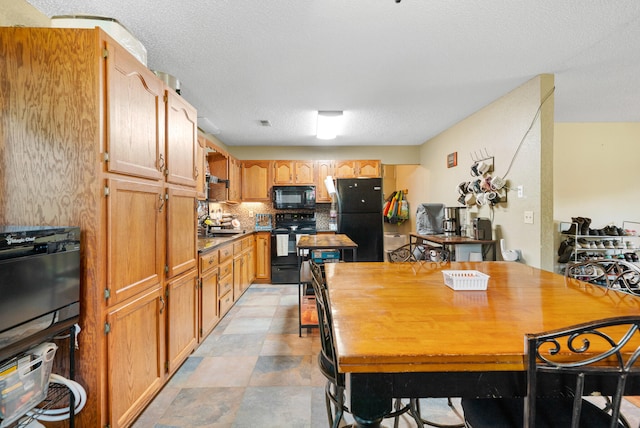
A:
x,y
245,212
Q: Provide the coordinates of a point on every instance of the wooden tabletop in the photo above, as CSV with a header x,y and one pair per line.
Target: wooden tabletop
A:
x,y
400,317
335,241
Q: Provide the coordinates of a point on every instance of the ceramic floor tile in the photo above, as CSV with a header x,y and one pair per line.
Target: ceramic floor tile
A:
x,y
204,408
256,311
259,299
227,345
286,344
282,370
239,325
284,326
275,407
221,372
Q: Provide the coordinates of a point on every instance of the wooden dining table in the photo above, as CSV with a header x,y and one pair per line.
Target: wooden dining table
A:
x,y
401,332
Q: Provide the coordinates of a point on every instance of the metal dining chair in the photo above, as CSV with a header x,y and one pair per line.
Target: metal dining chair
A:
x,y
561,365
327,359
611,273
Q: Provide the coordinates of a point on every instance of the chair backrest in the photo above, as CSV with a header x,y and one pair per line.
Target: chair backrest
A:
x,y
324,316
605,349
611,273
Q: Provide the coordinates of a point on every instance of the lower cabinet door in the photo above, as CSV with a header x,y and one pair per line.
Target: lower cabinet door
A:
x,y
135,355
182,321
208,302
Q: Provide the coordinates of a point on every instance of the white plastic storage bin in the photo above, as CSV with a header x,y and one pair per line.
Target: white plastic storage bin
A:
x,y
24,382
465,279
393,241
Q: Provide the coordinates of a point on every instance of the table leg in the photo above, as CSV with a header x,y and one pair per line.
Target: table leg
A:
x,y
370,398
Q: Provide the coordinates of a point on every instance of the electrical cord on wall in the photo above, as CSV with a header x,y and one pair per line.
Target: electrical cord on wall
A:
x,y
546,97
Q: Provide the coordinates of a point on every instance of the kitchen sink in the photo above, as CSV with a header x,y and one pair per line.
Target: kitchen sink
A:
x,y
223,233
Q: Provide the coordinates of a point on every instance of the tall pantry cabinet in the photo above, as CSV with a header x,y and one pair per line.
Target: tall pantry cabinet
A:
x,y
90,137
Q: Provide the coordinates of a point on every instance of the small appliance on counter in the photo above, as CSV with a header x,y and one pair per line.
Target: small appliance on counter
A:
x,y
450,221
482,229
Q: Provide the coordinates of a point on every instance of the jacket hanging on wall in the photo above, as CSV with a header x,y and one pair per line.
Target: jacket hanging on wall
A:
x,y
396,208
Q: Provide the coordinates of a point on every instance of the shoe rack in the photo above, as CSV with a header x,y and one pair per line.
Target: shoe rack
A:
x,y
579,242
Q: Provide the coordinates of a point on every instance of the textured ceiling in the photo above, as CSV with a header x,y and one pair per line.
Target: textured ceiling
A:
x,y
402,72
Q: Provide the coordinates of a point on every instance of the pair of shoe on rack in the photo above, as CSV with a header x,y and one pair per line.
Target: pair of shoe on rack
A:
x,y
610,230
631,257
565,250
579,226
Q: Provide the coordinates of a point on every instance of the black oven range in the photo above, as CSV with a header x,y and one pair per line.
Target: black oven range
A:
x,y
284,258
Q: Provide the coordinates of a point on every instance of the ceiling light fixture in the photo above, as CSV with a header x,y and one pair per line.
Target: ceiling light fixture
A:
x,y
328,124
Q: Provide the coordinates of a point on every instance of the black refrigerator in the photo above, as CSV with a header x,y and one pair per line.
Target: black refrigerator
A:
x,y
360,216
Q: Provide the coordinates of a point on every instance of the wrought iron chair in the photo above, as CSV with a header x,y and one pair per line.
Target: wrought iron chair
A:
x,y
563,366
611,273
327,359
413,253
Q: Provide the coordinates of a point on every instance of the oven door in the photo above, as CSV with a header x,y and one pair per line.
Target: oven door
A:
x,y
283,249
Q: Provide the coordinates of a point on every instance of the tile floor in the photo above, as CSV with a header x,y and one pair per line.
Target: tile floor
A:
x,y
254,370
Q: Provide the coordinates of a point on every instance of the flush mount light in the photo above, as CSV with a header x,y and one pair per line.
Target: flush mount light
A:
x,y
328,124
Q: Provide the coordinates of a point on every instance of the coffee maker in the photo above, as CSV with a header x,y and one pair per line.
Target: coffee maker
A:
x,y
482,229
450,221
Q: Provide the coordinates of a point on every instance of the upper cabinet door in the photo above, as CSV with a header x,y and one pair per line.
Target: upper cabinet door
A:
x,y
136,116
325,169
305,172
182,140
293,172
255,180
283,172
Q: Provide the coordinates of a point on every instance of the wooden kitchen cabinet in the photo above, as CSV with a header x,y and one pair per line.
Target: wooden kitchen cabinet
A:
x,y
225,281
294,172
256,179
181,295
135,349
357,168
325,168
182,251
208,299
135,237
181,141
242,272
235,179
135,142
263,257
104,138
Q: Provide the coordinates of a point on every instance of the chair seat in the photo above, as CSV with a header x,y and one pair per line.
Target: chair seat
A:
x,y
550,413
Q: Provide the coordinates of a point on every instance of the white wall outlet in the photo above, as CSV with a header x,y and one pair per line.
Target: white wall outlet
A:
x,y
250,213
521,191
528,217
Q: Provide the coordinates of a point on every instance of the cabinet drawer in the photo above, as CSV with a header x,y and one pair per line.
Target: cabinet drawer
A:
x,y
237,247
208,261
226,302
226,269
225,285
225,253
247,242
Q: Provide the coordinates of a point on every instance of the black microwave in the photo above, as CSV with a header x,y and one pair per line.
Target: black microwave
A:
x,y
294,197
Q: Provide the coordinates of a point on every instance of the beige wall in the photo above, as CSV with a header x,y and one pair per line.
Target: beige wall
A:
x,y
498,129
597,170
19,12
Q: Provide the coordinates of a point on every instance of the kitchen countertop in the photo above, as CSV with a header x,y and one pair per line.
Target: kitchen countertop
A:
x,y
206,244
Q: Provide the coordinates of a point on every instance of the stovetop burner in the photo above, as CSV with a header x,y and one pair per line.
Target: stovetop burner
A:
x,y
295,222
